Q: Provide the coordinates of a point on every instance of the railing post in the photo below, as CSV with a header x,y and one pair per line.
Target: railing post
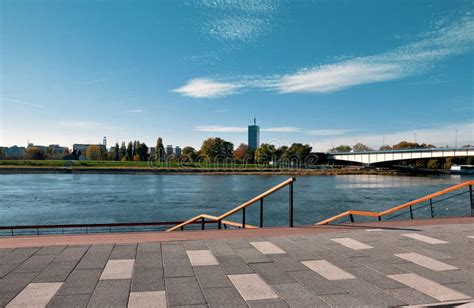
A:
x,y
182,228
351,217
219,224
261,213
472,201
243,218
431,208
203,224
411,213
290,206
380,218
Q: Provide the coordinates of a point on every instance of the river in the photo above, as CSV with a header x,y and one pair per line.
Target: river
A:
x,y
27,199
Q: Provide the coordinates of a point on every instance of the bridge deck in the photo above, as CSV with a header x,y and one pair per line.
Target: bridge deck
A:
x,y
375,264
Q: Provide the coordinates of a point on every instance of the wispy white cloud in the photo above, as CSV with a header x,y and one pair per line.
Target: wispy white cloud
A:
x,y
328,132
282,129
20,102
220,129
207,88
222,110
434,46
133,111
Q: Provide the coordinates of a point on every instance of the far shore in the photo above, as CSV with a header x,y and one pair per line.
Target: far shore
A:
x,y
350,170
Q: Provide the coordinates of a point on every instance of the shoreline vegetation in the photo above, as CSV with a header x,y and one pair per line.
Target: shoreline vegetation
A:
x,y
112,167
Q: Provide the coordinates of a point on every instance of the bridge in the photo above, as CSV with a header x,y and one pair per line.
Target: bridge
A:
x,y
374,157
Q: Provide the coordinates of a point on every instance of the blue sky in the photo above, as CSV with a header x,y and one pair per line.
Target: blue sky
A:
x,y
318,72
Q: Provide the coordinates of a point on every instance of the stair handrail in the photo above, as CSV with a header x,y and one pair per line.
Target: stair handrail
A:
x,y
221,219
379,215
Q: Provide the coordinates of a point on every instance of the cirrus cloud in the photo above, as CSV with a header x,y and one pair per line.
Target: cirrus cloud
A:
x,y
207,88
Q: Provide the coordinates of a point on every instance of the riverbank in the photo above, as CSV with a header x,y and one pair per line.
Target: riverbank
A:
x,y
352,170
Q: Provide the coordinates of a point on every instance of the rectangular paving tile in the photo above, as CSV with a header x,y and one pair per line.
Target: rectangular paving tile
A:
x,y
427,262
368,293
470,236
251,255
50,250
234,265
118,269
73,300
224,297
296,295
268,303
35,295
201,257
122,252
424,238
316,283
183,291
287,263
177,267
35,264
252,287
267,248
351,243
110,293
19,255
72,253
212,277
80,282
94,260
148,279
147,299
327,270
272,273
148,259
56,271
429,287
13,283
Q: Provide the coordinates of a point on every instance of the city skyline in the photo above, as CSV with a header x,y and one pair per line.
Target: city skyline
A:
x,y
197,69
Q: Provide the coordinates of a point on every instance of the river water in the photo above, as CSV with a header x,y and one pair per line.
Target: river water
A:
x,y
27,199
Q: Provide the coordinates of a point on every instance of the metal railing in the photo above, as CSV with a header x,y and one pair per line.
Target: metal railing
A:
x,y
409,205
220,220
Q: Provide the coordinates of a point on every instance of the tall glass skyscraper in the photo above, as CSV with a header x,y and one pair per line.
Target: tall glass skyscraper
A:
x,y
254,135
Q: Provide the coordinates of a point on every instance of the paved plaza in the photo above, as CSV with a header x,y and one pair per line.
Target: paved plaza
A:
x,y
424,264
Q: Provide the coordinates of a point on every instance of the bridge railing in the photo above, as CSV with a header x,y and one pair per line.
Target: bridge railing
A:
x,y
410,205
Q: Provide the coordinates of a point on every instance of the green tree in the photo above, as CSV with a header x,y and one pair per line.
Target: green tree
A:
x,y
213,148
405,145
143,152
94,152
123,150
385,147
241,154
265,153
35,153
300,151
359,147
116,152
421,163
341,148
189,154
433,164
160,150
130,151
448,163
2,153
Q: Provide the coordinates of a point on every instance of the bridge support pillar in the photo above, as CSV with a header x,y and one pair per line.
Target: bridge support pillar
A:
x,y
472,200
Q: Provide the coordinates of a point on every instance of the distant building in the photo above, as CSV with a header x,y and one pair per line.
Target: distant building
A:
x,y
14,151
177,151
152,151
254,135
169,150
39,147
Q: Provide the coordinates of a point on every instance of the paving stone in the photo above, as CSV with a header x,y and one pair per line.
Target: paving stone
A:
x,y
93,260
122,252
287,263
148,259
224,297
252,287
110,293
296,295
236,243
374,277
342,300
220,248
351,243
316,283
201,258
272,273
173,251
251,255
327,270
267,248
368,293
50,250
76,301
293,249
440,277
35,295
19,255
178,267
212,277
13,283
148,279
7,268
463,287
72,253
56,271
147,299
80,281
429,252
424,238
152,246
101,248
118,269
411,296
425,261
195,245
34,264
233,265
267,303
183,291
4,252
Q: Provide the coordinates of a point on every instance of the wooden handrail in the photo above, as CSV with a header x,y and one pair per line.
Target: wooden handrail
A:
x,y
398,207
233,211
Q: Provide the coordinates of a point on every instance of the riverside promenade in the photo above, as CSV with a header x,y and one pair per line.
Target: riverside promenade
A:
x,y
398,263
